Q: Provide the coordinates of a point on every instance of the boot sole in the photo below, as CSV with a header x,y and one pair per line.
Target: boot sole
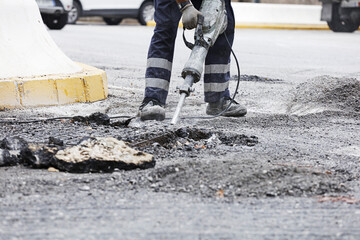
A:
x,y
239,113
156,113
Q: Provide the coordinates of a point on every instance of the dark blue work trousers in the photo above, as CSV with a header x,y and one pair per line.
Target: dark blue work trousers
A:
x,y
161,53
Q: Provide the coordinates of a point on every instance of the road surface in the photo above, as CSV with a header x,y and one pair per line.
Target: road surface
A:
x,y
288,170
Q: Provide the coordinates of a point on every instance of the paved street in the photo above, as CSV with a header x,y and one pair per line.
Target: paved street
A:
x,y
292,56
298,179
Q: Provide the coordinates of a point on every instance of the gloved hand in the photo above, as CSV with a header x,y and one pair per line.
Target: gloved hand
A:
x,y
190,17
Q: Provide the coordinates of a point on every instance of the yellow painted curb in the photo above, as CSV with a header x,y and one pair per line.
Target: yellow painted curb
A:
x,y
283,26
90,85
270,26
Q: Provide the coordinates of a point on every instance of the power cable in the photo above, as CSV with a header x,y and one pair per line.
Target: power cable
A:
x,y
55,118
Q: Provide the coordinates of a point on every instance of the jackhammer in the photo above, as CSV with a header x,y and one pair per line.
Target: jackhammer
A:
x,y
211,24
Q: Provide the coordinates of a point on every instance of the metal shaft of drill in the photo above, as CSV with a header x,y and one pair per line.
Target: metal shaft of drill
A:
x,y
185,91
175,118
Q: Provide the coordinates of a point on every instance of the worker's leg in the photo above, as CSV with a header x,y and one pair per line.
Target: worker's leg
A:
x,y
161,51
217,72
217,63
159,61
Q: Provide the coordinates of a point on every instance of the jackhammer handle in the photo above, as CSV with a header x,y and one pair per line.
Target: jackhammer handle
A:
x,y
200,22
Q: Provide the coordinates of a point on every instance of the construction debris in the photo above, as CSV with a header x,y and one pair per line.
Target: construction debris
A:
x,y
90,155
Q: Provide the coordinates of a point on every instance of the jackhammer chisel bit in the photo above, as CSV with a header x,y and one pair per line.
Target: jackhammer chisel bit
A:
x,y
185,91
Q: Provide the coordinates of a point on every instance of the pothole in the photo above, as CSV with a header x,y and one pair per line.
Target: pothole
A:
x,y
189,139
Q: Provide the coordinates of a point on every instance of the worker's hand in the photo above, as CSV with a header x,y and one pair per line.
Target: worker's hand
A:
x,y
190,17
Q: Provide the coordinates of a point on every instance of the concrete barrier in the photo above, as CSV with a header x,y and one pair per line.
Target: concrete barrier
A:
x,y
288,16
33,70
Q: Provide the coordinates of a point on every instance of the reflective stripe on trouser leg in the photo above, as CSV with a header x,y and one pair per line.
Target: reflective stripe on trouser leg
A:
x,y
217,78
161,50
216,83
217,63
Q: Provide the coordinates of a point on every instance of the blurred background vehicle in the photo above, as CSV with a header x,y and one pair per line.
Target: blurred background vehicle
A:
x,y
113,11
341,15
55,12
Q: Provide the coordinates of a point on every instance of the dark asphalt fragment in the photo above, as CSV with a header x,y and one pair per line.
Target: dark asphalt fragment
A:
x,y
38,156
13,143
56,141
97,118
10,148
194,133
123,123
7,159
102,119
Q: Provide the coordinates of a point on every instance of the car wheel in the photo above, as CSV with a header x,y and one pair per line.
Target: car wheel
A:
x,y
55,22
338,24
75,13
112,21
146,12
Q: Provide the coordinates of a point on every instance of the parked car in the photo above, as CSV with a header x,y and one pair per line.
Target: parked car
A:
x,y
113,11
55,12
341,15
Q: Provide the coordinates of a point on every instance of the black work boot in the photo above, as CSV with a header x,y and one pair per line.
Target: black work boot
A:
x,y
236,110
151,109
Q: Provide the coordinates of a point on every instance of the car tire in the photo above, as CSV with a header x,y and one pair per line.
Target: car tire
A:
x,y
146,12
55,22
75,13
112,21
337,24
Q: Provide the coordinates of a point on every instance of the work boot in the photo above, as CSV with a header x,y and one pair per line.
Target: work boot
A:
x,y
151,109
236,109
